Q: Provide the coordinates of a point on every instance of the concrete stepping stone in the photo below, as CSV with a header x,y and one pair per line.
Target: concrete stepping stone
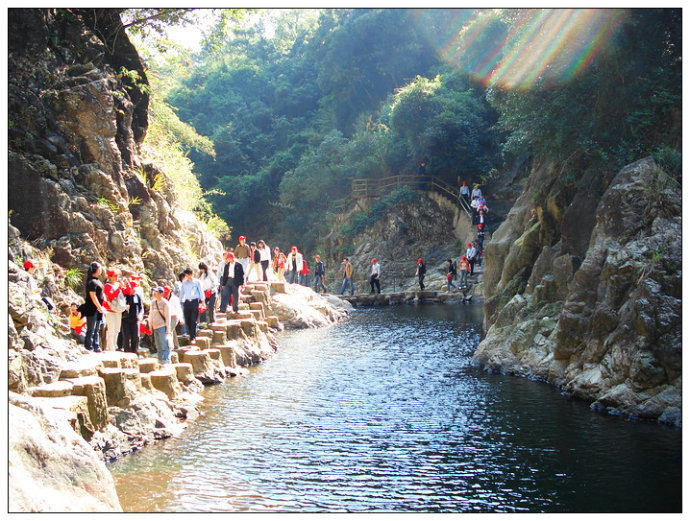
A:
x,y
204,333
146,365
273,322
213,353
53,390
93,387
165,380
219,337
184,372
243,307
203,342
119,359
227,355
200,361
234,331
257,314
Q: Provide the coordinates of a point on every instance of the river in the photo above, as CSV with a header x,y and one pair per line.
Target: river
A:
x,y
384,412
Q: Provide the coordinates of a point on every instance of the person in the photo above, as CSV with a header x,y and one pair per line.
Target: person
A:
x,y
465,192
254,262
375,279
421,273
304,273
159,323
30,268
279,264
476,192
481,217
176,313
475,209
231,277
131,317
93,309
470,254
319,275
464,269
115,305
421,173
264,258
479,253
452,274
294,264
209,285
190,297
480,237
76,323
176,292
348,272
242,252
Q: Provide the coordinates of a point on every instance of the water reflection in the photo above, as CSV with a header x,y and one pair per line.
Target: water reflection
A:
x,y
385,413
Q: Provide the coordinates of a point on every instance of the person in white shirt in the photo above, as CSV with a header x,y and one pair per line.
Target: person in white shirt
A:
x,y
476,192
265,258
176,315
294,264
209,285
231,278
471,255
375,276
190,296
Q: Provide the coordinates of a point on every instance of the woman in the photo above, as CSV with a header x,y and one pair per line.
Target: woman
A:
x,y
93,307
159,323
115,304
276,265
264,258
294,264
209,285
132,317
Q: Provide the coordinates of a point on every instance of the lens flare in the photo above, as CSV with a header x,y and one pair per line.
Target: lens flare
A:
x,y
540,45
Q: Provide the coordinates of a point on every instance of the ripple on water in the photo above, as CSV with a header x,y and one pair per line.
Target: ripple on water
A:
x,y
386,413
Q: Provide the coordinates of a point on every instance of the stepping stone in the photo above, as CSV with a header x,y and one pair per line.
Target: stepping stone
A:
x,y
278,287
146,381
219,337
234,331
204,333
185,373
133,376
249,327
243,307
203,342
119,359
174,358
115,390
227,355
213,353
273,322
200,361
183,340
54,390
263,325
257,314
146,365
240,315
93,387
80,368
165,380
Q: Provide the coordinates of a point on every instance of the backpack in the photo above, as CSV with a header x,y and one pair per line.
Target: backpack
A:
x,y
119,303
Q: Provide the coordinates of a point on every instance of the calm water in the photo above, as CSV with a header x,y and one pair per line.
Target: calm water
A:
x,y
385,413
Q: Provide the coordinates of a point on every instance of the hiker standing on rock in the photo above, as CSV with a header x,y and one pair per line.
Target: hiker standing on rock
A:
x,y
375,276
93,308
131,317
294,264
190,297
464,269
471,255
348,276
465,192
242,252
231,276
209,285
115,304
159,323
319,275
176,313
452,274
421,273
265,258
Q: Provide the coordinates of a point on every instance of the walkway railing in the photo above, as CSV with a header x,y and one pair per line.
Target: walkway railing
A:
x,y
377,188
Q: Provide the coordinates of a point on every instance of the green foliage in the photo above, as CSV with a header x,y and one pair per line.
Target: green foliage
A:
x,y
670,160
363,221
73,278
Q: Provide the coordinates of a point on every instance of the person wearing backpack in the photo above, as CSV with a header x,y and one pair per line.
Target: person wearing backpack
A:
x,y
115,304
452,274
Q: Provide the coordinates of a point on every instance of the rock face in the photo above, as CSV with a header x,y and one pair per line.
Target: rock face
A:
x,y
584,290
80,187
51,468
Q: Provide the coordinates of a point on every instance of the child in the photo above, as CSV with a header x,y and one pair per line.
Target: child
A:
x,y
76,323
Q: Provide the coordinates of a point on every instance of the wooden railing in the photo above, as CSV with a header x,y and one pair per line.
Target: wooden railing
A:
x,y
377,188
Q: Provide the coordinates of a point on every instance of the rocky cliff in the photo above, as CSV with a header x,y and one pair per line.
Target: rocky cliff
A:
x,y
583,288
78,112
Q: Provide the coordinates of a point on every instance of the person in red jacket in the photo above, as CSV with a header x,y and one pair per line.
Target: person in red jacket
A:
x,y
464,268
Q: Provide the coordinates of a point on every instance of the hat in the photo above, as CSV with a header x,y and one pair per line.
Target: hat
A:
x,y
229,255
113,273
373,261
419,260
135,277
480,226
28,264
159,290
317,256
166,291
242,237
469,244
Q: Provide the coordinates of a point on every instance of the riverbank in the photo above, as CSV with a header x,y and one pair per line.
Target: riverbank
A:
x,y
72,410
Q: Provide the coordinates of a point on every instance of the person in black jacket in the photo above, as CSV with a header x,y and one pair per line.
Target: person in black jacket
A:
x,y
319,274
231,278
421,273
93,308
131,317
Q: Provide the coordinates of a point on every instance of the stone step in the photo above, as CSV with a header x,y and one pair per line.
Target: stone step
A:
x,y
239,315
146,381
119,359
115,390
53,390
273,322
204,333
185,372
278,287
213,353
93,387
200,361
243,307
165,380
263,325
146,365
203,342
234,331
174,358
77,410
257,314
85,367
219,337
227,355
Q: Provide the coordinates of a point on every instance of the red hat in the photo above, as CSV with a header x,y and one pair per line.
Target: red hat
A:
x,y
419,260
166,291
113,273
464,258
463,183
469,244
294,248
317,256
229,255
242,237
373,261
135,277
28,264
480,226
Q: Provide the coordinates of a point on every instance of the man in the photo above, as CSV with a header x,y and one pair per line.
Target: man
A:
x,y
471,254
348,272
132,316
452,274
190,296
242,252
231,278
319,275
294,264
159,323
421,273
176,313
465,192
254,262
421,173
375,276
464,269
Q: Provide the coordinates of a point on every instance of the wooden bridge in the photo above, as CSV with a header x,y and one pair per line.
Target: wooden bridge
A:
x,y
363,189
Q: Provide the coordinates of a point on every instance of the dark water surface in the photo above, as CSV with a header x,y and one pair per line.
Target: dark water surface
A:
x,y
385,413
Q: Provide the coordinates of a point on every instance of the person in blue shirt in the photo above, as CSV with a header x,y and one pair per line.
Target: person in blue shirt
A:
x,y
190,296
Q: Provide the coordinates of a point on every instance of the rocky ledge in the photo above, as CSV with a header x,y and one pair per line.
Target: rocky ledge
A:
x,y
71,409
